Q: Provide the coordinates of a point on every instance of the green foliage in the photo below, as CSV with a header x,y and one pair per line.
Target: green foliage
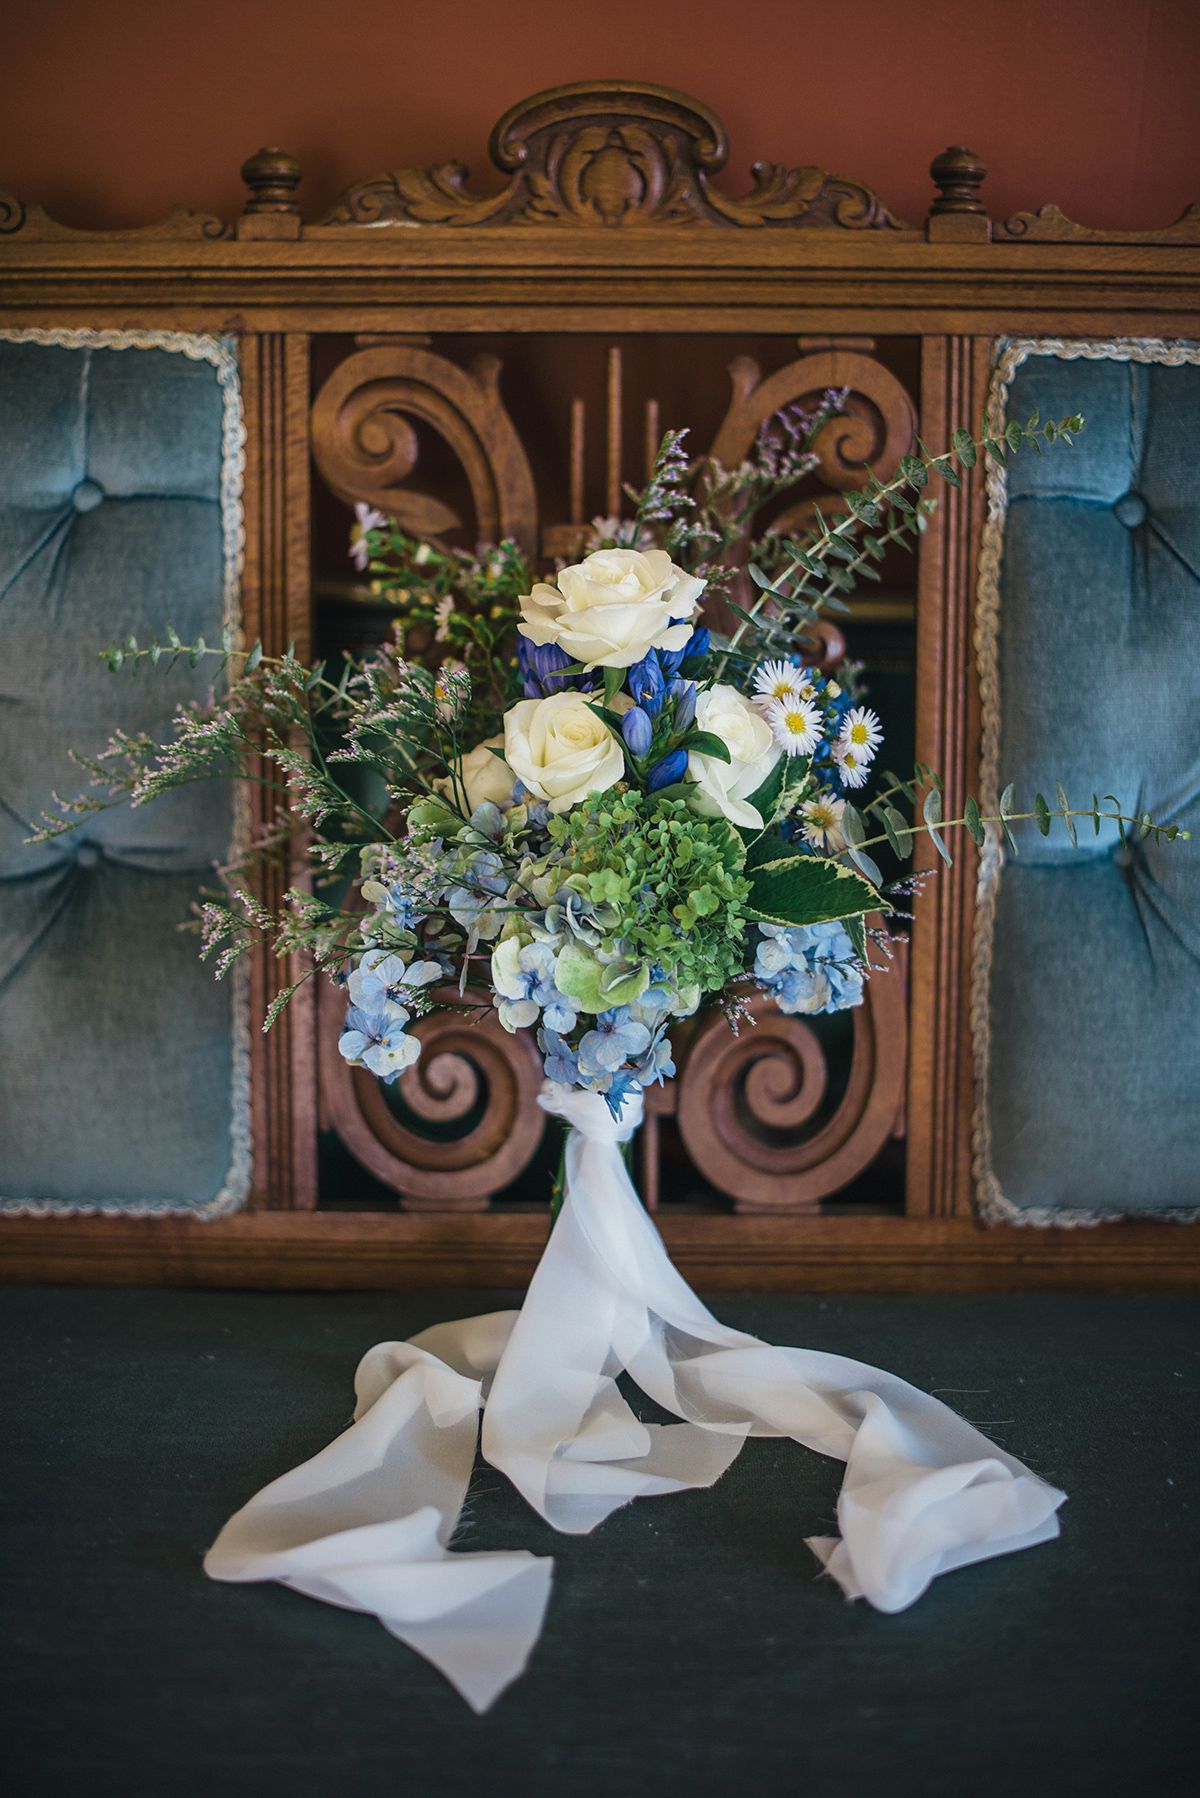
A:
x,y
787,887
672,883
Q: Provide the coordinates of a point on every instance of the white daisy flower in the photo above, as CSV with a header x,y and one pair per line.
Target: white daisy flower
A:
x,y
853,765
795,724
367,519
445,606
822,826
861,731
782,680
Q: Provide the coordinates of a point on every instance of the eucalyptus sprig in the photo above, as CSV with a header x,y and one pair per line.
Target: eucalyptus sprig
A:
x,y
899,834
822,564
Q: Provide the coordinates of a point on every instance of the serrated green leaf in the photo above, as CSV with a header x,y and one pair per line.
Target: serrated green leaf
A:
x,y
1068,820
856,930
1042,814
807,889
974,823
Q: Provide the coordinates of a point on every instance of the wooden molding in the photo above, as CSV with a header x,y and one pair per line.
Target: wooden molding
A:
x,y
400,1251
276,607
954,377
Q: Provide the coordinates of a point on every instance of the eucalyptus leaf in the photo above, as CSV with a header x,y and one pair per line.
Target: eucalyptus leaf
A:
x,y
1042,814
1068,820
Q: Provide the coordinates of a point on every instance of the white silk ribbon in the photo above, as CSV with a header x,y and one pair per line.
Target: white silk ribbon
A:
x,y
365,1524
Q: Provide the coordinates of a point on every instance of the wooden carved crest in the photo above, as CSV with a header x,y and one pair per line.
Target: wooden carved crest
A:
x,y
612,153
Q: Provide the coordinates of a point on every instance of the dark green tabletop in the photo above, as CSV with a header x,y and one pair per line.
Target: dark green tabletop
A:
x,y
690,1649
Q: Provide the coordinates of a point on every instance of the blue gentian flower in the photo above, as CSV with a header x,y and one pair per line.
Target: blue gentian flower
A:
x,y
645,682
695,647
673,767
541,666
684,694
637,731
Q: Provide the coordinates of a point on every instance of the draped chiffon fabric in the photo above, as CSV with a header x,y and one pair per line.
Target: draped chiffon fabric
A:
x,y
366,1524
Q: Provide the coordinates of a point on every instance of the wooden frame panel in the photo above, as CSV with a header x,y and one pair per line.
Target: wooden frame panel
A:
x,y
802,253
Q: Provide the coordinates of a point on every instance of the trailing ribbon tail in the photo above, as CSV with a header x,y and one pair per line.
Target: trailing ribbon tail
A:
x,y
366,1523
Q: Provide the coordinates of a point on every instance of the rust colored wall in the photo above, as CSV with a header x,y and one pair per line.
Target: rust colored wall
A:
x,y
116,108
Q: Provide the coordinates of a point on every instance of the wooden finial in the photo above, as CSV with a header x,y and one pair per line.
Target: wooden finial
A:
x,y
958,215
271,211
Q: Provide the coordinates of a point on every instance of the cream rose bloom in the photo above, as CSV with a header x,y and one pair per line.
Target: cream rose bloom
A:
x,y
610,609
483,776
723,788
561,749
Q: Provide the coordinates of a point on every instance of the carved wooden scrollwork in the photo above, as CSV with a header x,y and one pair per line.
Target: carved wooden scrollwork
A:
x,y
744,1102
34,224
365,446
612,153
468,1121
1050,224
878,427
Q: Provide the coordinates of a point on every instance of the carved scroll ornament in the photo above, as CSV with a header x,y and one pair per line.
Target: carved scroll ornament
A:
x,y
1050,224
365,446
745,1102
602,153
34,225
472,1075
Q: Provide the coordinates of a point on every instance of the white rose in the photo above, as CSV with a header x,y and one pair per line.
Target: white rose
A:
x,y
723,788
561,749
483,776
610,609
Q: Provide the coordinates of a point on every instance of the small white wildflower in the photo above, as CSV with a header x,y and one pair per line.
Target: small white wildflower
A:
x,y
853,765
822,826
861,731
795,725
445,607
781,680
367,519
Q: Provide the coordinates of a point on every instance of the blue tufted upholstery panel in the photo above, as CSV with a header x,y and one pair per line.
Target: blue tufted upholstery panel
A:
x,y
118,1050
1092,1047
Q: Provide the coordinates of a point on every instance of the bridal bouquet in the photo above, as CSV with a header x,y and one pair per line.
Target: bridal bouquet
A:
x,y
575,803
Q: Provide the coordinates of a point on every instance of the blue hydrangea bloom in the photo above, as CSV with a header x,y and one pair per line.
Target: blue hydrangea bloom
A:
x,y
558,1058
525,986
615,1040
375,1040
809,968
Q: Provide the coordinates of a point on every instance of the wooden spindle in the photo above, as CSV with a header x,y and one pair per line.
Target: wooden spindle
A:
x,y
653,436
578,422
613,492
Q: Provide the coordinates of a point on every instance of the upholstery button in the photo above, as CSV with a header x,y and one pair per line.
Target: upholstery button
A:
x,y
1130,510
87,855
87,496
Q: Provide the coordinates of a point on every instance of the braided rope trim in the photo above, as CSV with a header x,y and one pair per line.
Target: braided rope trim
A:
x,y
222,353
994,1207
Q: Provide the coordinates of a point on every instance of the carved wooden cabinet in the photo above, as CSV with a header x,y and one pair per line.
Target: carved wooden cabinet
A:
x,y
379,355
